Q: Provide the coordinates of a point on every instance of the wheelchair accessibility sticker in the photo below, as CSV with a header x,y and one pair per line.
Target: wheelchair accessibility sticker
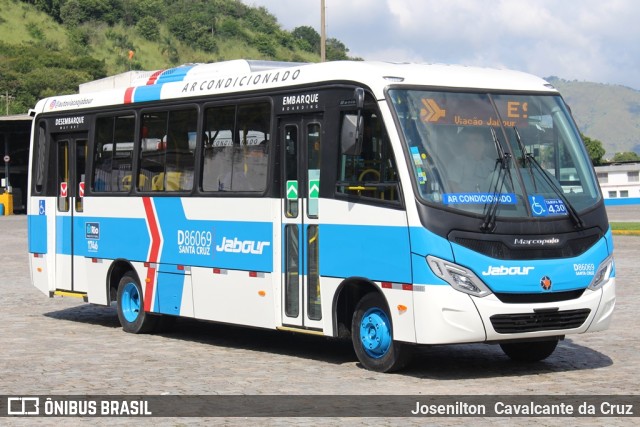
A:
x,y
545,207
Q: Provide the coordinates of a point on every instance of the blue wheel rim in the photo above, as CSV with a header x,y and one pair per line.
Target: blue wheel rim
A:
x,y
130,302
375,333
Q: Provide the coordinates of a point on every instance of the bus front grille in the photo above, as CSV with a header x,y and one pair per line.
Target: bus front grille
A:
x,y
541,321
534,298
499,248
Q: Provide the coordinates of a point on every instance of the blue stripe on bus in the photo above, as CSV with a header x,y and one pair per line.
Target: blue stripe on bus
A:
x,y
174,75
126,238
37,232
236,245
233,245
424,242
117,237
168,298
525,276
147,93
380,253
63,235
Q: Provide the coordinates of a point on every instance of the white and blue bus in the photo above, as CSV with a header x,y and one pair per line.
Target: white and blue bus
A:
x,y
395,204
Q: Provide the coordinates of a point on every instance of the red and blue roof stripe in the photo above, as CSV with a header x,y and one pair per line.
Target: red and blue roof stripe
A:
x,y
153,88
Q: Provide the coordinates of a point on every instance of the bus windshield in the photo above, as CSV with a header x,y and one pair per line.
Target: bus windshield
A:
x,y
516,155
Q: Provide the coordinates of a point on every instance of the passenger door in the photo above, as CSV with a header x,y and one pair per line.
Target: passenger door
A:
x,y
300,142
71,154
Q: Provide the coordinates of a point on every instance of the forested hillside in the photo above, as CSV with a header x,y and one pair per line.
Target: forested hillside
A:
x,y
51,46
608,113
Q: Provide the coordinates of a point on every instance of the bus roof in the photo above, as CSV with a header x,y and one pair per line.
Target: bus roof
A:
x,y
244,76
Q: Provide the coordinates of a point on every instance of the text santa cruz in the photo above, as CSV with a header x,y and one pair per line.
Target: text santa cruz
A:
x,y
242,81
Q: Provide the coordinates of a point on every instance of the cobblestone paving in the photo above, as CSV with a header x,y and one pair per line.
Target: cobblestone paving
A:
x,y
64,346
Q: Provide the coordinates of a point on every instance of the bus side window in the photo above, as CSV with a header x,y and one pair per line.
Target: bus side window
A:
x,y
152,150
253,134
40,156
218,128
236,151
372,173
179,157
167,143
113,154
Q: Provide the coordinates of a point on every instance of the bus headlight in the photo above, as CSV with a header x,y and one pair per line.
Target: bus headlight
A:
x,y
460,278
603,273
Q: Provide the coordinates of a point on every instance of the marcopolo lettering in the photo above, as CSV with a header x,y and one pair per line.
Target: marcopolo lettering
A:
x,y
537,242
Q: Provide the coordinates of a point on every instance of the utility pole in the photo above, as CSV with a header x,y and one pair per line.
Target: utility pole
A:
x,y
323,33
7,99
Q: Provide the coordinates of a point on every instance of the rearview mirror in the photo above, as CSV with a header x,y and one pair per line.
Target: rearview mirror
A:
x,y
351,135
352,128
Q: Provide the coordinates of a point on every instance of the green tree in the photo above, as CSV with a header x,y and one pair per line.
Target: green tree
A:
x,y
149,28
154,8
195,28
286,40
76,12
260,20
265,45
594,149
50,7
627,156
336,50
79,40
229,28
72,13
308,39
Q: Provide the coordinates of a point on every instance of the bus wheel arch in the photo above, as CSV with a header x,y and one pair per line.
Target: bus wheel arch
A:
x,y
131,314
349,292
361,307
117,270
125,288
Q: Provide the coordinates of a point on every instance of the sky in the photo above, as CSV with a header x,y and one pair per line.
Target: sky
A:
x,y
583,40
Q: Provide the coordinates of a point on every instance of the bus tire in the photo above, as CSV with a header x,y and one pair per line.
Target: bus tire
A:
x,y
372,336
131,312
529,351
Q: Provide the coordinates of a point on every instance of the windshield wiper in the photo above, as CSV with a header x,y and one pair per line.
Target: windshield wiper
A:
x,y
531,161
525,160
503,160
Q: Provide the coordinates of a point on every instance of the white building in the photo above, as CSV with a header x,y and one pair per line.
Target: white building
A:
x,y
620,183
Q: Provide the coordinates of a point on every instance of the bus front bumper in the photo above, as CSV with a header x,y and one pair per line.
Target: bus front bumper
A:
x,y
444,315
